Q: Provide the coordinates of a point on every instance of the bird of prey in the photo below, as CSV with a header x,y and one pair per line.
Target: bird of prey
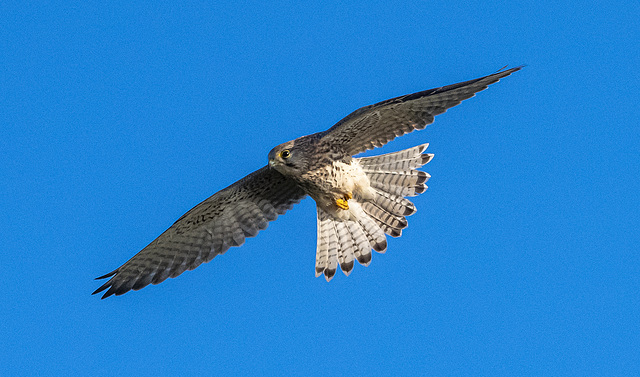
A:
x,y
358,200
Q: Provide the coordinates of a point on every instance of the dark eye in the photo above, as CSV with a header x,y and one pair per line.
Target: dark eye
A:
x,y
285,154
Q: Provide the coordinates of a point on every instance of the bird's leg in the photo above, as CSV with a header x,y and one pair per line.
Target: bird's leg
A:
x,y
342,203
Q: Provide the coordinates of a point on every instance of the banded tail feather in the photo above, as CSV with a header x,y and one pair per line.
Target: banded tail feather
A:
x,y
392,176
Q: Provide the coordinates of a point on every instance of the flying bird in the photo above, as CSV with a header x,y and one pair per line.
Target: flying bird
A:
x,y
359,201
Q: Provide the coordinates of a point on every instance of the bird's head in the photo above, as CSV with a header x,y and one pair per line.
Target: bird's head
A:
x,y
287,158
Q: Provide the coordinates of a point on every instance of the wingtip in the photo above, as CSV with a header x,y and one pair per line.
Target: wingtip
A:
x,y
101,288
108,285
106,294
110,274
510,70
110,292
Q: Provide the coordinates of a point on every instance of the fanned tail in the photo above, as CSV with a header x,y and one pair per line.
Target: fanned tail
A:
x,y
392,177
342,241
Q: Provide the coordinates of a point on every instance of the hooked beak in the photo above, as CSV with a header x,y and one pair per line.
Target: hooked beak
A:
x,y
272,158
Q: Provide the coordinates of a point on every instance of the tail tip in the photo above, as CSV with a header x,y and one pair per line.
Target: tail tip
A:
x,y
329,273
364,259
347,267
426,158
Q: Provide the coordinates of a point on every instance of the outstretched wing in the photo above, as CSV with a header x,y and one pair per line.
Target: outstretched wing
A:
x,y
375,125
208,229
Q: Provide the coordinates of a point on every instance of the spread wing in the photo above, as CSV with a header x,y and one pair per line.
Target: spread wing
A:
x,y
208,229
375,125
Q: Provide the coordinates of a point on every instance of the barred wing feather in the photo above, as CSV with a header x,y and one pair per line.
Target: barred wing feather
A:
x,y
375,125
223,220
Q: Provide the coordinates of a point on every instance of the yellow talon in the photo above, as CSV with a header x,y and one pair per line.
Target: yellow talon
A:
x,y
342,203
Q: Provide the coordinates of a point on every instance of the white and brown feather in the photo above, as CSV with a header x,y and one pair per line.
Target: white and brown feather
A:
x,y
362,227
224,220
323,168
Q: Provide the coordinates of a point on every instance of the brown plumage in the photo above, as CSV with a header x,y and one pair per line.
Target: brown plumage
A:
x,y
359,200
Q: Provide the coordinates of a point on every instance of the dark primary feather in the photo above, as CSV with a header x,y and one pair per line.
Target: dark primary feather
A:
x,y
223,220
375,125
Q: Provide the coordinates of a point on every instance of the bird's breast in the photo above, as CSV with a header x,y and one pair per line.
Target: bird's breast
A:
x,y
337,180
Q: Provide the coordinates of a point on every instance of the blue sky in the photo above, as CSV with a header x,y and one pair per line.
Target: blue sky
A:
x,y
117,118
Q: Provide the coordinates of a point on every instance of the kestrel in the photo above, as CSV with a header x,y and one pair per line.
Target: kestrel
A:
x,y
358,200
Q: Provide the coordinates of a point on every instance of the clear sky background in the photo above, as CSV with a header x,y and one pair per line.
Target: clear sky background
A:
x,y
522,259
